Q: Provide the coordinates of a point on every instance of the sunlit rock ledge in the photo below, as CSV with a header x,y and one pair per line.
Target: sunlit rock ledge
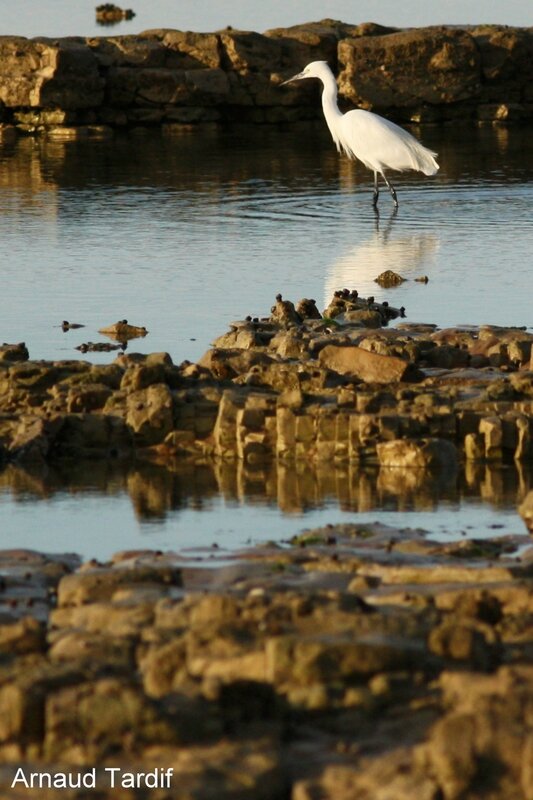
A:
x,y
91,86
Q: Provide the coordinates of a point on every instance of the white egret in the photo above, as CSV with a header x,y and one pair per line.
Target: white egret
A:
x,y
377,142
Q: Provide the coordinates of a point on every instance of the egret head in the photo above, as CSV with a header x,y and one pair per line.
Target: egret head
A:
x,y
316,69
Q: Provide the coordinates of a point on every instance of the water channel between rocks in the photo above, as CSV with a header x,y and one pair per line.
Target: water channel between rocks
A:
x,y
185,234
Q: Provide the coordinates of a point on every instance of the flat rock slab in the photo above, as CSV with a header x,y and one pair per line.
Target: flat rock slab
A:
x,y
369,367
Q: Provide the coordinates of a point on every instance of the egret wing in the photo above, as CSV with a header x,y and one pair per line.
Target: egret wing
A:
x,y
381,144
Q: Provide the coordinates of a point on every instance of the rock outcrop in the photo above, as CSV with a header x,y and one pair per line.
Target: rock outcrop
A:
x,y
290,387
87,86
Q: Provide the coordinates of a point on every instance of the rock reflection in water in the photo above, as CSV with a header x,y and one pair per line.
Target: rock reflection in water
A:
x,y
157,492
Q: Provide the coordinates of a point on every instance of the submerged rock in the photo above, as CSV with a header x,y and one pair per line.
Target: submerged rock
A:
x,y
109,14
122,331
100,347
390,278
70,326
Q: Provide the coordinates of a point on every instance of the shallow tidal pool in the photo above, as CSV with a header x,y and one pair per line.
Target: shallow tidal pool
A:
x,y
185,234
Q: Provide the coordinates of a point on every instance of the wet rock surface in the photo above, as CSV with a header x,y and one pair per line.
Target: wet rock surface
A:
x,y
353,660
81,86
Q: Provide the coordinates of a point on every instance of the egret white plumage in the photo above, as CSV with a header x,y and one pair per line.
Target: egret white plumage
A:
x,y
378,143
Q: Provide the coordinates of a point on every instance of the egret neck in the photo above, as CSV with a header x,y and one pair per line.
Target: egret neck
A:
x,y
330,107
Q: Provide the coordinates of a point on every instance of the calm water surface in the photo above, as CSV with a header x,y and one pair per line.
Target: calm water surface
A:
x,y
184,234
77,17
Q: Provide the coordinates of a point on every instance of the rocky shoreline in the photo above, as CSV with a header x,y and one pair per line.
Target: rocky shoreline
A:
x,y
90,86
336,387
351,661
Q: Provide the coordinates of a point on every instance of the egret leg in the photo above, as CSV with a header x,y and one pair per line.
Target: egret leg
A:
x,y
376,191
392,190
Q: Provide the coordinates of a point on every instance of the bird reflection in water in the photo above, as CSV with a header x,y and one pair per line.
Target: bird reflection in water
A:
x,y
410,254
